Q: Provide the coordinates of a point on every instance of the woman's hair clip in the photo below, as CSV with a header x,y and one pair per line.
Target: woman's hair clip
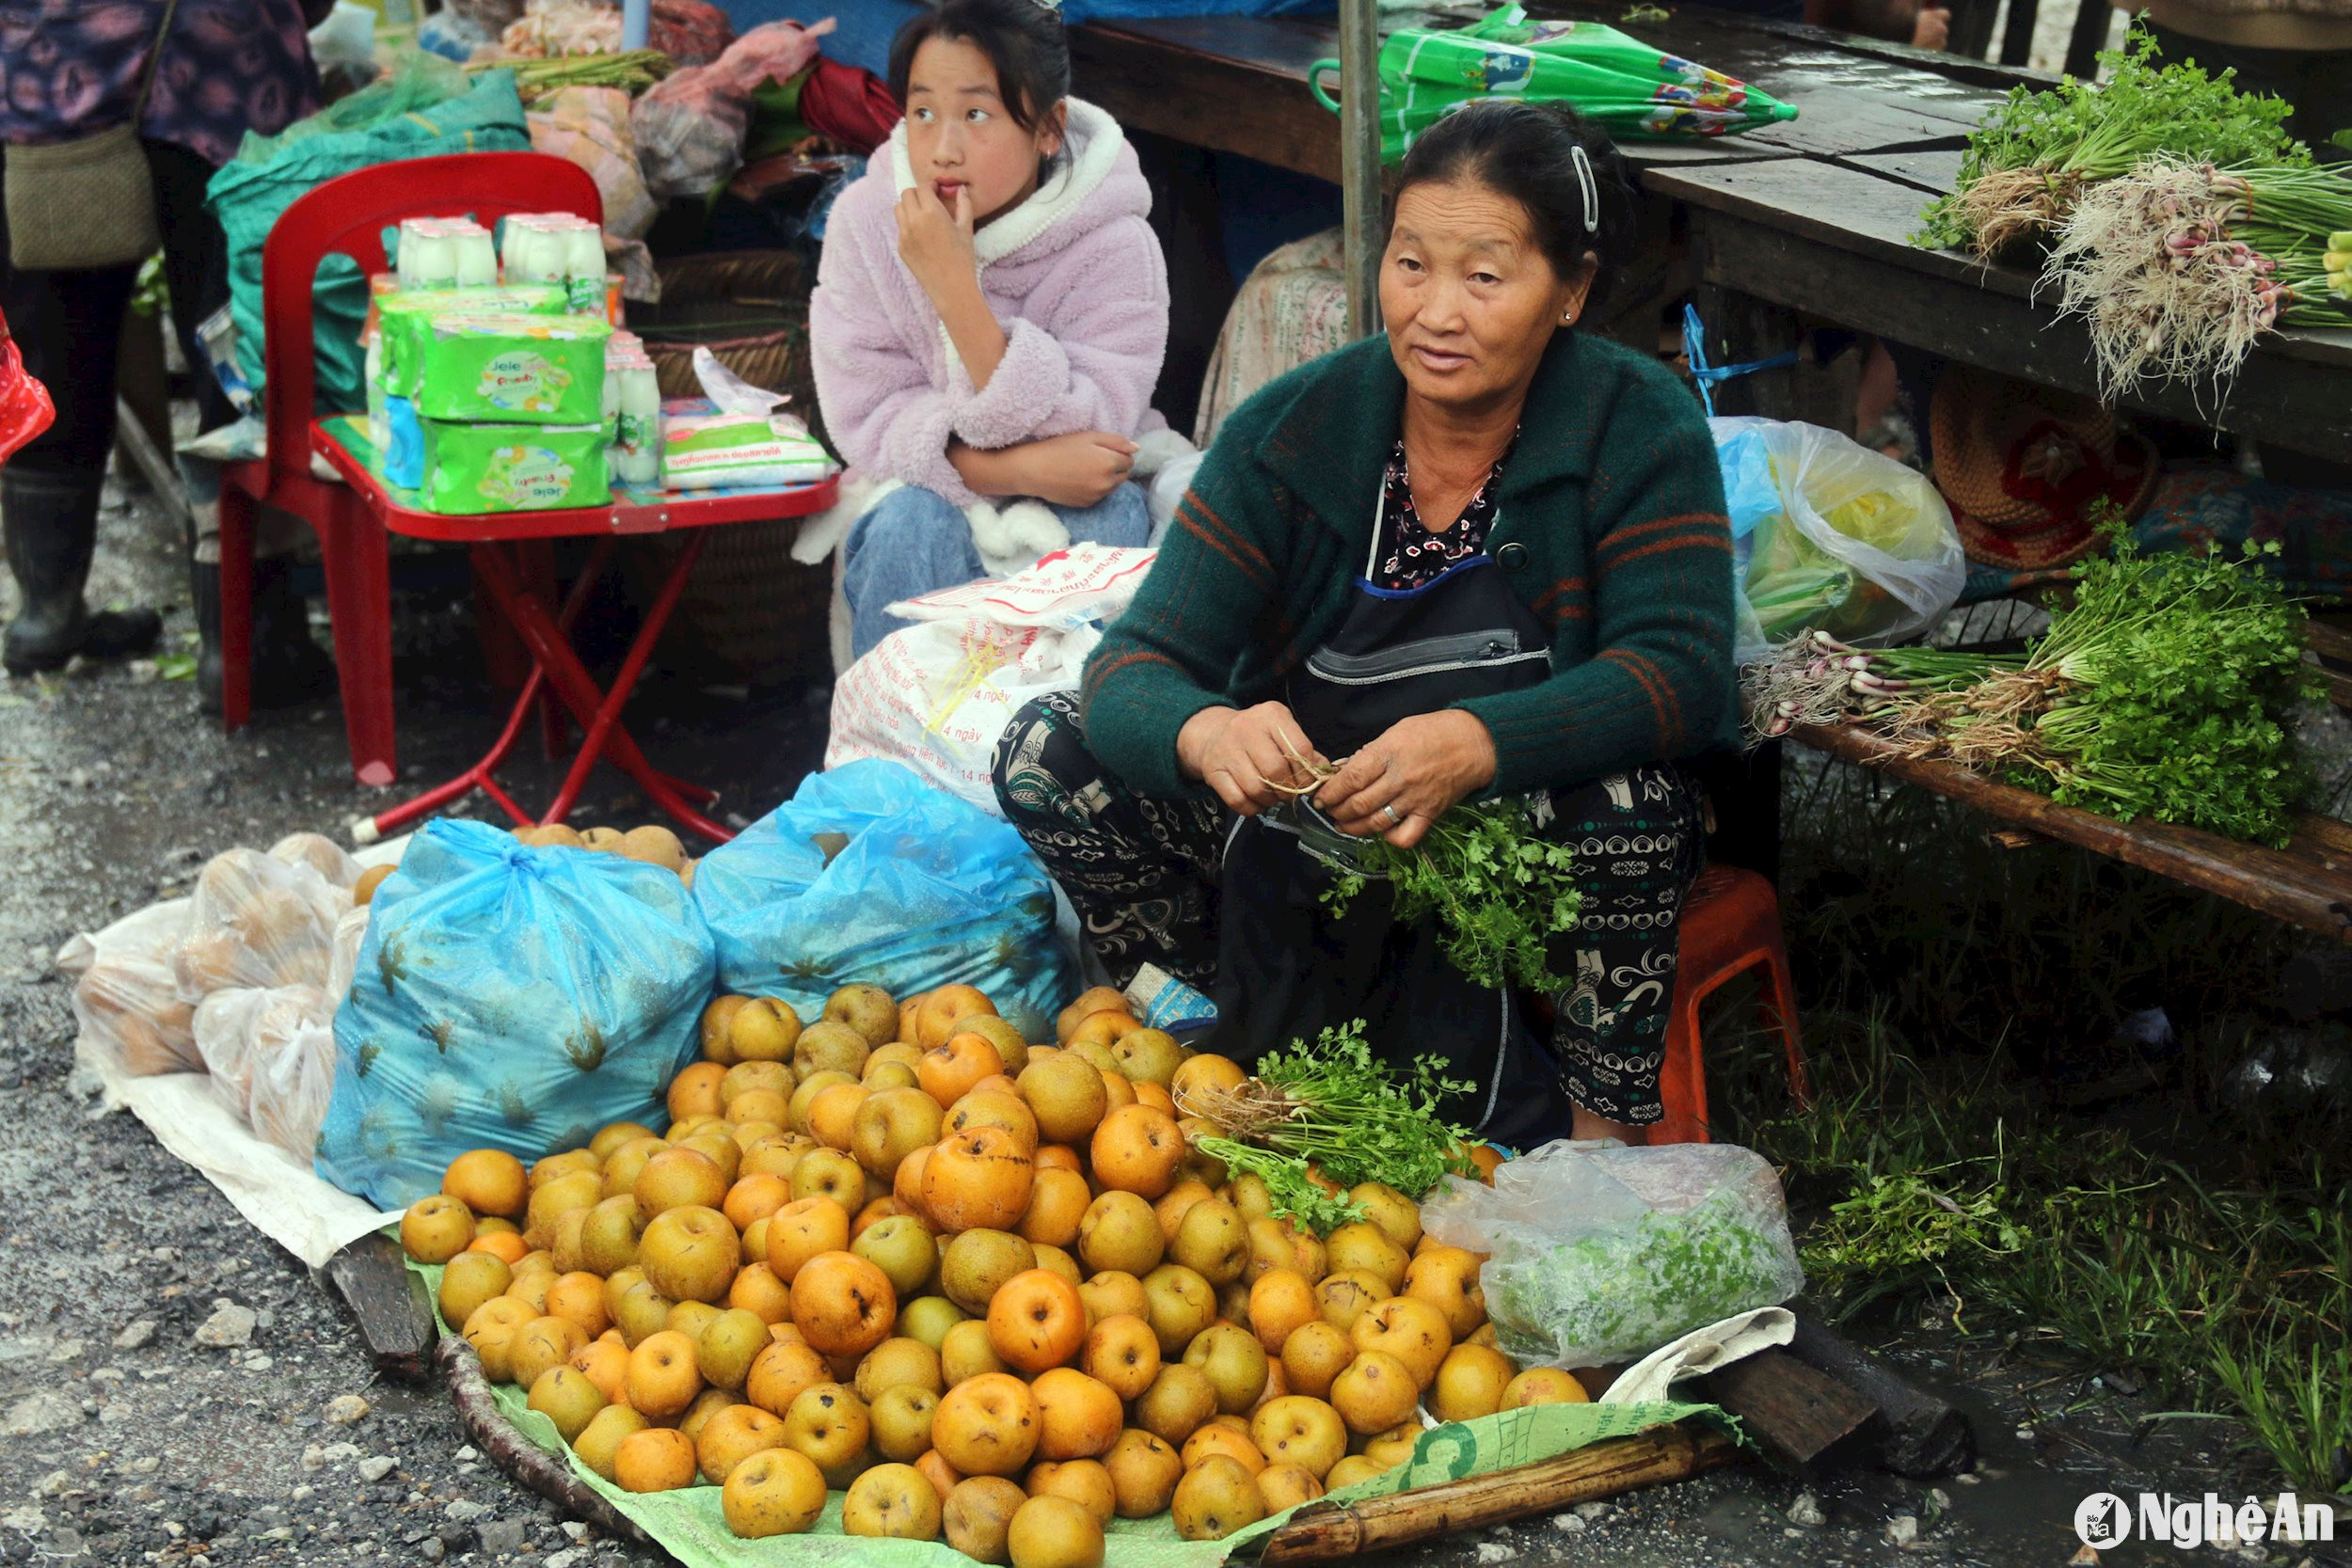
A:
x,y
1054,6
1591,187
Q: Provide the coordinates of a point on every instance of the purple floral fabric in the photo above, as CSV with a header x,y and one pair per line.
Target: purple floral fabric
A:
x,y
71,68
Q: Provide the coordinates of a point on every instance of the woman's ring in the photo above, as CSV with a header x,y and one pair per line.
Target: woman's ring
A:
x,y
1394,820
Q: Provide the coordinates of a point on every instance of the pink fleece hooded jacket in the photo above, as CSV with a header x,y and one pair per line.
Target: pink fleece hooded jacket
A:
x,y
1076,275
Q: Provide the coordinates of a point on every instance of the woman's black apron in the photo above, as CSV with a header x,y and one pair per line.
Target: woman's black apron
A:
x,y
1287,968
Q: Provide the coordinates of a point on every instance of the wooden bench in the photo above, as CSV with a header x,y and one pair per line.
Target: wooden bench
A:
x,y
2308,883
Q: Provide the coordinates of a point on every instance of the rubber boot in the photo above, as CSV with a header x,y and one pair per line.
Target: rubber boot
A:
x,y
204,593
50,522
289,666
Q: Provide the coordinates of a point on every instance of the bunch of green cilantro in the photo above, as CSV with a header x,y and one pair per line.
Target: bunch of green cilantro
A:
x,y
1338,1107
2180,674
1497,891
2079,132
2164,690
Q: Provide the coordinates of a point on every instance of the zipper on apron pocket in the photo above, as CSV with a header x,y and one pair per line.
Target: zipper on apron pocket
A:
x,y
1429,656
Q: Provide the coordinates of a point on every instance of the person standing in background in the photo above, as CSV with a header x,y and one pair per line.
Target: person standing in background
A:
x,y
74,68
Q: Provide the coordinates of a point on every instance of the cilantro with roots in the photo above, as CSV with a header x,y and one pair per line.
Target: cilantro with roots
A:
x,y
2166,690
1335,1107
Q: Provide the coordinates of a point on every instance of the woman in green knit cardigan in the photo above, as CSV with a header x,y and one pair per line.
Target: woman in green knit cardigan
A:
x,y
1484,555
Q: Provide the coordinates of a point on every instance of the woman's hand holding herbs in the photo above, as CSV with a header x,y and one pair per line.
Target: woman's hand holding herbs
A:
x,y
1417,771
1252,757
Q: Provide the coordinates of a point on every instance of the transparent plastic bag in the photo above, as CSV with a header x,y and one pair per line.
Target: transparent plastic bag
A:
x,y
1827,533
126,998
342,956
257,922
1601,1254
590,127
321,854
690,125
294,1082
239,1031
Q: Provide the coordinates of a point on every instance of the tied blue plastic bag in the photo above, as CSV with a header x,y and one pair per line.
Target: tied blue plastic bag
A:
x,y
923,890
508,997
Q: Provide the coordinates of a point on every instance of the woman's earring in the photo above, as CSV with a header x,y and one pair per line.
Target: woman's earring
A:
x,y
1569,320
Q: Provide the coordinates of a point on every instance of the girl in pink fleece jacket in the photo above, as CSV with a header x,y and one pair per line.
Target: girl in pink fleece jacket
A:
x,y
989,314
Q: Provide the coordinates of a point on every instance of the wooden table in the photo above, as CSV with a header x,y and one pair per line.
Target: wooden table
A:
x,y
1810,218
2307,883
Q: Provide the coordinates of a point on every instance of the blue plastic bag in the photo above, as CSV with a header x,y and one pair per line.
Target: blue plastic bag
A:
x,y
1751,495
929,891
508,997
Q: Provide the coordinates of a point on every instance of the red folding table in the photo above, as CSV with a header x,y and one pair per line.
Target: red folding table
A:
x,y
501,544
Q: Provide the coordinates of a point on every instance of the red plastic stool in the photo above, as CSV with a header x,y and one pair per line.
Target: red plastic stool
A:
x,y
1730,924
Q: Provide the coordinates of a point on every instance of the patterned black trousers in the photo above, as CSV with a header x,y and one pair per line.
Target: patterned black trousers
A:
x,y
1143,875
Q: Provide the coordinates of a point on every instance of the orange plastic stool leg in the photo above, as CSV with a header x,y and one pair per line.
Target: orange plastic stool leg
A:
x,y
1730,924
1682,1077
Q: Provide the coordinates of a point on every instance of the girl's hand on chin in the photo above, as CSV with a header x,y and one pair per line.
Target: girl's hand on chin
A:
x,y
935,242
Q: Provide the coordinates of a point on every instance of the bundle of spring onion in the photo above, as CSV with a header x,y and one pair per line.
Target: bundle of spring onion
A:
x,y
536,78
2033,156
1328,1117
2164,690
2178,268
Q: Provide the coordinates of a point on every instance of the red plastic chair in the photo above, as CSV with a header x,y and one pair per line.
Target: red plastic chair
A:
x,y
1730,924
347,217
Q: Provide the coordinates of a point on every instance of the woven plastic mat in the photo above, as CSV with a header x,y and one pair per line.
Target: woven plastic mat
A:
x,y
690,1525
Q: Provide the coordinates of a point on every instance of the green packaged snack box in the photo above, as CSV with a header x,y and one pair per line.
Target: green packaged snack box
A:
x,y
401,317
510,368
513,468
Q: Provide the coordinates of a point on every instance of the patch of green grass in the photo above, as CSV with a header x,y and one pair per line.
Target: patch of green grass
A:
x,y
1948,988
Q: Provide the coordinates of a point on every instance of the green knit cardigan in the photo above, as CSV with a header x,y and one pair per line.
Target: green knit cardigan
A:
x,y
1610,528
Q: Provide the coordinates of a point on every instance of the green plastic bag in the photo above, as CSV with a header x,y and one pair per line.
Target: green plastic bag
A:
x,y
513,468
510,368
270,174
1631,88
421,80
403,316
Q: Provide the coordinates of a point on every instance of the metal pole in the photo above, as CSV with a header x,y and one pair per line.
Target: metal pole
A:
x,y
1359,161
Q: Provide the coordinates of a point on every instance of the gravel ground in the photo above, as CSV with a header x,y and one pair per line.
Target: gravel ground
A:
x,y
176,1389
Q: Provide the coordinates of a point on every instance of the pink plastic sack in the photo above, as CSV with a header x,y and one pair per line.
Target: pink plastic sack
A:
x,y
690,125
690,32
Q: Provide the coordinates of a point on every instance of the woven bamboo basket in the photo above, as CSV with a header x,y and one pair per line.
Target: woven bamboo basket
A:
x,y
750,611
